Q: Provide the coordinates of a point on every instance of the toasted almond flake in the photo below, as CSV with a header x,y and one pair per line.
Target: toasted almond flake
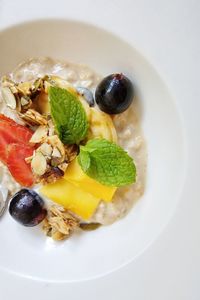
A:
x,y
39,164
32,117
46,149
51,128
24,101
63,166
13,89
8,97
56,142
39,135
24,87
7,82
37,85
56,152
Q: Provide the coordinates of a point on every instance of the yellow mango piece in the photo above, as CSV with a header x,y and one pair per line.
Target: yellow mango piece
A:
x,y
75,175
71,197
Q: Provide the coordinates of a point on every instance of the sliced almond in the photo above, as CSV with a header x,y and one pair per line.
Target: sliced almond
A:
x,y
37,85
51,128
8,97
39,164
45,149
56,142
32,117
7,82
56,152
24,87
63,166
13,89
39,135
24,101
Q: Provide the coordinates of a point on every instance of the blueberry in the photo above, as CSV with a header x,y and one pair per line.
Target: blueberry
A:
x,y
27,208
114,94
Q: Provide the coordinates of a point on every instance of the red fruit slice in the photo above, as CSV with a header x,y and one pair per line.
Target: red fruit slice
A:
x,y
7,119
3,150
14,132
11,132
21,131
19,169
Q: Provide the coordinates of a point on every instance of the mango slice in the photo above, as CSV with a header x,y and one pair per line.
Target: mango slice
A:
x,y
71,197
76,176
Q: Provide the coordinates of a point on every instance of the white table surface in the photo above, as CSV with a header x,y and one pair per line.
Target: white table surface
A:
x,y
170,268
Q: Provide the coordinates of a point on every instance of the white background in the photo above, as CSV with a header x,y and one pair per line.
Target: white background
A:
x,y
167,33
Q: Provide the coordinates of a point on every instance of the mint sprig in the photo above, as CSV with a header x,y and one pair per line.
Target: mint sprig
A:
x,y
107,163
68,115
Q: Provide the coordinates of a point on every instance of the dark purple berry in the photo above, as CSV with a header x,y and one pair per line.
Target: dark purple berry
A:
x,y
27,208
114,94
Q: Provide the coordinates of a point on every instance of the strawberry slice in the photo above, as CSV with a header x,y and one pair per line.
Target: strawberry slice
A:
x,y
15,131
19,169
3,150
6,119
11,132
14,148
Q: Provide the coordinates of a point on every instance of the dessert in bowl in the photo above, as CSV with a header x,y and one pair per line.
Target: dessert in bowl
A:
x,y
76,140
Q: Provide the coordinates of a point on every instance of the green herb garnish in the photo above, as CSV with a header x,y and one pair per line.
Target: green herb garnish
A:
x,y
68,115
107,163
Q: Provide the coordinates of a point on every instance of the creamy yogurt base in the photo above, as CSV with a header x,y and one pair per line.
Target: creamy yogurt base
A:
x,y
130,136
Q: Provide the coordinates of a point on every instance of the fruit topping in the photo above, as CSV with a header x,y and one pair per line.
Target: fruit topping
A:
x,y
14,148
27,208
114,94
13,132
18,167
76,176
71,197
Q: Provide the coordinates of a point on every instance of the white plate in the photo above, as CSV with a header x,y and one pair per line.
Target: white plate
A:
x,y
126,254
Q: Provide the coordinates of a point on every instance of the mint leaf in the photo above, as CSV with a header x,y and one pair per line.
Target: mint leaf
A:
x,y
107,163
68,115
84,159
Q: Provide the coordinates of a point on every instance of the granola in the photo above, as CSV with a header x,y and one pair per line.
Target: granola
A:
x,y
59,223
